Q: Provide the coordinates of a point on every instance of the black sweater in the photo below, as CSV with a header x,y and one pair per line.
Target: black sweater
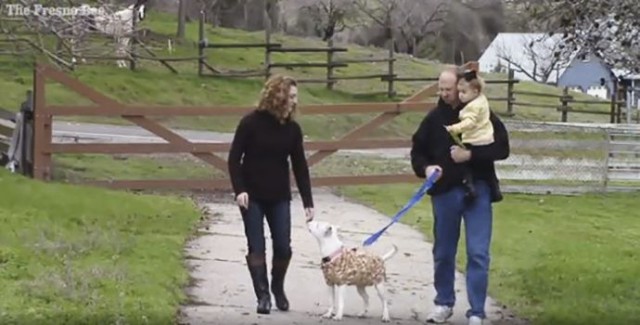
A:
x,y
258,159
432,143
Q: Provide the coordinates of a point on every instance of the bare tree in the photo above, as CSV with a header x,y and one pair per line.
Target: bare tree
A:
x,y
607,29
538,58
522,8
115,23
469,27
329,16
380,12
33,29
416,26
417,20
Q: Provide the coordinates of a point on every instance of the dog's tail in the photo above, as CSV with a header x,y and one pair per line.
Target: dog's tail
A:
x,y
390,254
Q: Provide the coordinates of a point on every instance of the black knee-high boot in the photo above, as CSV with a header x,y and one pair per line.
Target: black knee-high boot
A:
x,y
258,269
278,271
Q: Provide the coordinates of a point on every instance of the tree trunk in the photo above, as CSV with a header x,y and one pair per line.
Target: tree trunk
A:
x,y
246,15
182,15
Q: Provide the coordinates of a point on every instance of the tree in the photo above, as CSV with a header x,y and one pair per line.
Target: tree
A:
x,y
538,57
421,19
69,31
182,17
469,27
607,29
380,12
329,16
386,14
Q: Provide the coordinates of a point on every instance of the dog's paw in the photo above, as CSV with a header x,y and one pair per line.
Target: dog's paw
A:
x,y
328,314
362,314
386,319
337,317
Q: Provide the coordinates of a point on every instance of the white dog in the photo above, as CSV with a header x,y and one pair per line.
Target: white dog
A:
x,y
343,267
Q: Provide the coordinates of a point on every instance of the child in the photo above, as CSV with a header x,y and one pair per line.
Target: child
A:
x,y
474,127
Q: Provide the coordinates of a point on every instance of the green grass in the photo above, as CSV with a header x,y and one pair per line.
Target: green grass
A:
x,y
77,167
76,255
83,167
555,259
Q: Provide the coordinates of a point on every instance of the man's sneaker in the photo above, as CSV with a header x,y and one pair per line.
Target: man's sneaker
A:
x,y
475,320
440,314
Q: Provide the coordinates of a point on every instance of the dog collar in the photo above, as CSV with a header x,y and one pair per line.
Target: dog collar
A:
x,y
332,256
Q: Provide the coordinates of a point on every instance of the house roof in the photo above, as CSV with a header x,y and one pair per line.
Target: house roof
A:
x,y
626,74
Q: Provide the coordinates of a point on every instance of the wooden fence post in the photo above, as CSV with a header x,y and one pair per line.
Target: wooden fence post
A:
x,y
614,95
42,127
201,42
330,64
619,100
565,107
390,90
510,94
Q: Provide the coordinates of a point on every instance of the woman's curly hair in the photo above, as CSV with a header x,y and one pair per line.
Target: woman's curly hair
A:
x,y
275,97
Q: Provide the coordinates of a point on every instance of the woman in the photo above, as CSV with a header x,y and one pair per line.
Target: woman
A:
x,y
264,140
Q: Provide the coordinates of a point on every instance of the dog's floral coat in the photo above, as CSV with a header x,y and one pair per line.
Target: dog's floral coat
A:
x,y
354,267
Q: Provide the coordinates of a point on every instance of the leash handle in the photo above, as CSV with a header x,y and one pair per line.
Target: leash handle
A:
x,y
431,179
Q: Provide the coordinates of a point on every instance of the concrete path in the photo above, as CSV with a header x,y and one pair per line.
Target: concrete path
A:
x,y
222,291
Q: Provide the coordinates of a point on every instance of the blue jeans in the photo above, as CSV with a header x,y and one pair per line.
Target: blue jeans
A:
x,y
278,215
449,210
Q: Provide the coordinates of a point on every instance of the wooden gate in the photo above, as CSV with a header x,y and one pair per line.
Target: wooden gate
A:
x,y
623,159
105,106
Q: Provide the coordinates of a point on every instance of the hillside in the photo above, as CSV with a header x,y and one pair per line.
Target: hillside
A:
x,y
155,84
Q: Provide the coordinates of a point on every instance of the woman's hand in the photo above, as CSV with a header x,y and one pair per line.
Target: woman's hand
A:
x,y
308,213
243,200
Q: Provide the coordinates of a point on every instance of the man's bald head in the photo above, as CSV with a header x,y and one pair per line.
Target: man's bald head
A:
x,y
447,82
448,75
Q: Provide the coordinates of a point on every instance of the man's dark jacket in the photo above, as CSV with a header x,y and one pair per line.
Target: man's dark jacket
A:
x,y
432,143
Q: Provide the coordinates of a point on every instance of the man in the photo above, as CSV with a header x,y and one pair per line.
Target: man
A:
x,y
434,150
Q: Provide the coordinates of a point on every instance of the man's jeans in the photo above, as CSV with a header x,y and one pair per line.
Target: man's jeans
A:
x,y
278,215
449,209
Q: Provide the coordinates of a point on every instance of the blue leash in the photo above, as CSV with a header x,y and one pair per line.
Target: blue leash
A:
x,y
416,197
